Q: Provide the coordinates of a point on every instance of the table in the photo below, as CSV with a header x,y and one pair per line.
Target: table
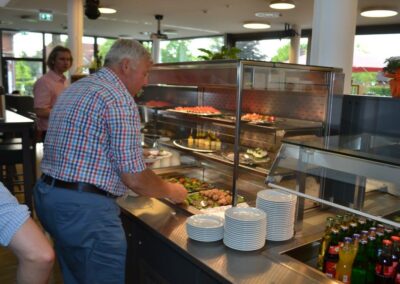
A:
x,y
24,128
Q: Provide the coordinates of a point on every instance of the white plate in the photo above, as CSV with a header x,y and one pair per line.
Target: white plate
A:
x,y
154,158
245,214
205,221
275,196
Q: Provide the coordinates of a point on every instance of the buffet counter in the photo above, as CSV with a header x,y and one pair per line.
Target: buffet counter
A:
x,y
159,250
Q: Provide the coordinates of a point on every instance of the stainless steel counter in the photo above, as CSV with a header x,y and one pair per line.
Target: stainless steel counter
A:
x,y
267,265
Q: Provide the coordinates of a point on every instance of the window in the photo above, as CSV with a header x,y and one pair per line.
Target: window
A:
x,y
21,75
103,46
370,53
22,44
52,40
188,49
276,50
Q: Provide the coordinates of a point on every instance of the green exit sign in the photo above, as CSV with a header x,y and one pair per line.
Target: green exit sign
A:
x,y
45,16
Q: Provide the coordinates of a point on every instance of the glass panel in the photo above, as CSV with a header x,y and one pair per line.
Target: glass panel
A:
x,y
358,172
370,53
21,75
52,40
88,51
22,44
148,45
276,50
104,45
188,50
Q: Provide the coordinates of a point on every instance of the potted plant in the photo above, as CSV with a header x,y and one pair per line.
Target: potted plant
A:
x,y
224,53
392,70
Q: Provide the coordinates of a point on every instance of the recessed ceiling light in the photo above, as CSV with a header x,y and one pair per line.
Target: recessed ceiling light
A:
x,y
268,14
256,25
282,5
105,10
378,13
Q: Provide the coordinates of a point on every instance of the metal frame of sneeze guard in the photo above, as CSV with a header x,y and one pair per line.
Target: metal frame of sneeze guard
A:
x,y
289,154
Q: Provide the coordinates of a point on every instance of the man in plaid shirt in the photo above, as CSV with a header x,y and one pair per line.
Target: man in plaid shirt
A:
x,y
92,154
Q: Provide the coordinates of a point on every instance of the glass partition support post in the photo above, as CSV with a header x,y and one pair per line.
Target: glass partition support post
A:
x,y
301,180
359,192
329,105
239,91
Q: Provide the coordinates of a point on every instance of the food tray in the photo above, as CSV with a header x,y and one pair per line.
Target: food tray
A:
x,y
183,143
245,158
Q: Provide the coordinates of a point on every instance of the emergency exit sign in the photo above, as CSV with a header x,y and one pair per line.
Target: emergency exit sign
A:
x,y
46,16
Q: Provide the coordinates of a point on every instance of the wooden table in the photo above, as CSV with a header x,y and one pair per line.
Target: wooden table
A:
x,y
23,127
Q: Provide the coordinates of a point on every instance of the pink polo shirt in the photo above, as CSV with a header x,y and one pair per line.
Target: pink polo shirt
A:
x,y
45,92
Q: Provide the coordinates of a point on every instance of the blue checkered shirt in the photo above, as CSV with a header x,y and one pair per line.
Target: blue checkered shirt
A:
x,y
94,134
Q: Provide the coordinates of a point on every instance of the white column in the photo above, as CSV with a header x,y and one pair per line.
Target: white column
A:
x,y
294,53
333,31
75,33
155,52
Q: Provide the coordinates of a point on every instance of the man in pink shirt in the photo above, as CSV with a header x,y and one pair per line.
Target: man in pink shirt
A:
x,y
51,85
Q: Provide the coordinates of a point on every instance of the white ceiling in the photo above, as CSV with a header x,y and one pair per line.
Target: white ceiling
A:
x,y
187,17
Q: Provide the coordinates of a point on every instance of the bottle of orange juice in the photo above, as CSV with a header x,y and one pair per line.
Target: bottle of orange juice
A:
x,y
347,254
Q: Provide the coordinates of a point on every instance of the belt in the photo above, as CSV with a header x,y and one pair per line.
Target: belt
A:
x,y
78,186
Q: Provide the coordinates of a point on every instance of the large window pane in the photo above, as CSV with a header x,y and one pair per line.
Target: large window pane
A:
x,y
370,53
88,50
22,44
276,50
104,45
52,40
187,49
21,75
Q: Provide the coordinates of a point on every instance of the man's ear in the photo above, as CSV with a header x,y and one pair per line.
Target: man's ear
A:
x,y
125,65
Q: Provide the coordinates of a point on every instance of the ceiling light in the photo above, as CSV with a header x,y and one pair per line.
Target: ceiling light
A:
x,y
378,13
256,25
282,5
105,10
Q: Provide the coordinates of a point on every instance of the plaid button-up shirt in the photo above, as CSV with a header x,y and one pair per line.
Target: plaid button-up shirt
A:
x,y
94,134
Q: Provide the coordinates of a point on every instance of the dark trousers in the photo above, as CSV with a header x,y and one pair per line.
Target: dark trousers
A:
x,y
88,235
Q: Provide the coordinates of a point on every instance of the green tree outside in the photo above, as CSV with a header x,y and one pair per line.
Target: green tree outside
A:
x,y
282,54
177,51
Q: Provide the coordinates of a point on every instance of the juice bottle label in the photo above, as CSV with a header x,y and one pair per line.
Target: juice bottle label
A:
x,y
384,270
330,269
345,278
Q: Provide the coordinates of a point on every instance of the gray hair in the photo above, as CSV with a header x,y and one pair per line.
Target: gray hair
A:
x,y
126,48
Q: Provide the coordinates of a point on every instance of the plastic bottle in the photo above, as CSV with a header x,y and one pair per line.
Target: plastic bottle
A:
x,y
344,265
360,265
384,273
325,242
332,255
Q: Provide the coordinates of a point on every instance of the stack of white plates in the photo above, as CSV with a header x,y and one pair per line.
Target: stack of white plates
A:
x,y
245,228
280,208
205,228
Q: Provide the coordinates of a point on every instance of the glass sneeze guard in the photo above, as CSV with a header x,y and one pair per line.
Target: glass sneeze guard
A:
x,y
358,173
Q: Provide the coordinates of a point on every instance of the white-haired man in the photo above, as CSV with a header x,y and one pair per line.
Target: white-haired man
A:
x,y
92,154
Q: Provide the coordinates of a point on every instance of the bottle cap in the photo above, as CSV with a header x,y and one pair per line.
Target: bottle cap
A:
x,y
387,243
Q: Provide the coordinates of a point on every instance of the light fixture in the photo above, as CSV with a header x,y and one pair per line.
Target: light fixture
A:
x,y
282,5
106,10
378,13
256,25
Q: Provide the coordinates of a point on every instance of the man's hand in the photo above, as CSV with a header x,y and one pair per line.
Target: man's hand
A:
x,y
177,192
